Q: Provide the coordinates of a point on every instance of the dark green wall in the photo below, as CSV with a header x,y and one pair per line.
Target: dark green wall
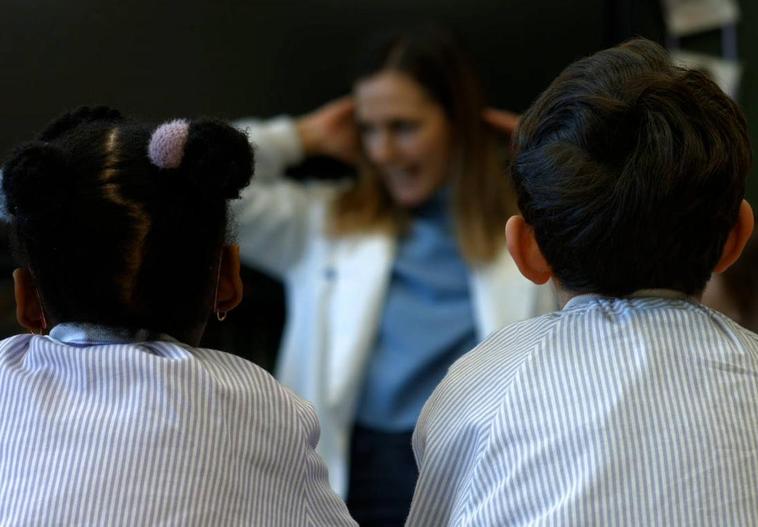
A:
x,y
255,57
229,58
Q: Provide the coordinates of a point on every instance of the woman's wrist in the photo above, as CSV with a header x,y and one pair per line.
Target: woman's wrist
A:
x,y
309,137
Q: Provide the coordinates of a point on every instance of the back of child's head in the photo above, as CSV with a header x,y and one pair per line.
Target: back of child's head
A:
x,y
122,224
631,172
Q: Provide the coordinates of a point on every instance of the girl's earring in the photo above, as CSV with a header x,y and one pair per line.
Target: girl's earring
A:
x,y
220,315
42,312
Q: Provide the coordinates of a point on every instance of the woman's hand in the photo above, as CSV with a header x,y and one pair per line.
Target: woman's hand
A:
x,y
502,120
331,131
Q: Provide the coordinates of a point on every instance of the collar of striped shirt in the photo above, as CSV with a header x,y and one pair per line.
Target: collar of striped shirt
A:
x,y
83,334
583,299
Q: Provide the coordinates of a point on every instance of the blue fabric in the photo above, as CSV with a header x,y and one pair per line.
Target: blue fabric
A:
x,y
82,334
427,323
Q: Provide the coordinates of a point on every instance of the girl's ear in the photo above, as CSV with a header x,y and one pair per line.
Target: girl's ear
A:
x,y
737,239
29,311
526,253
229,289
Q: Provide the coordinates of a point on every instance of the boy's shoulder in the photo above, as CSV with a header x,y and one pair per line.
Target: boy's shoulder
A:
x,y
509,345
484,375
503,355
721,323
595,318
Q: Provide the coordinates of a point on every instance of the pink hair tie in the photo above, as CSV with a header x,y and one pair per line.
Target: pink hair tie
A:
x,y
166,147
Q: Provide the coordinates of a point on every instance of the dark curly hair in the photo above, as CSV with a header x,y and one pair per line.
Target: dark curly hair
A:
x,y
110,238
631,172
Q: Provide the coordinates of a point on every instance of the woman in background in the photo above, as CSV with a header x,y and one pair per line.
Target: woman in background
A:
x,y
391,278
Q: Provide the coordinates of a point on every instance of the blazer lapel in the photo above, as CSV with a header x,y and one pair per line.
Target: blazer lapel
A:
x,y
362,267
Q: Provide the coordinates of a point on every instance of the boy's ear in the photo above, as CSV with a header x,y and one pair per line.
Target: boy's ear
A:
x,y
526,253
229,292
28,307
737,239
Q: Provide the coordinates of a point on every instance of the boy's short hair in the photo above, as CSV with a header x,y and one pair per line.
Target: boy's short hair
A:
x,y
631,172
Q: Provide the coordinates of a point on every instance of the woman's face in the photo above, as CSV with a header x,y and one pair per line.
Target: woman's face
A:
x,y
406,135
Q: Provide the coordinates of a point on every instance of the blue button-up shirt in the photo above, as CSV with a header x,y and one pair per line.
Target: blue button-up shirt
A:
x,y
427,322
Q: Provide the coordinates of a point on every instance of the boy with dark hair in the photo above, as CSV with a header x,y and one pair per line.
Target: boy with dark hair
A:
x,y
634,404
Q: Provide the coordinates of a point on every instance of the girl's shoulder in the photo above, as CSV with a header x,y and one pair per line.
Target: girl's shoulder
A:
x,y
242,377
14,346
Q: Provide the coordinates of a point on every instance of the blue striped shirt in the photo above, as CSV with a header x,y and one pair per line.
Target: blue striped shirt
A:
x,y
98,430
637,411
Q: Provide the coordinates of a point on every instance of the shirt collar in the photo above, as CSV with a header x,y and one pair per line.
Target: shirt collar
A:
x,y
584,299
83,334
437,206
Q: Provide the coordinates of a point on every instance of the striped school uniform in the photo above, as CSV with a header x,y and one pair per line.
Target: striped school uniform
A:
x,y
636,411
103,427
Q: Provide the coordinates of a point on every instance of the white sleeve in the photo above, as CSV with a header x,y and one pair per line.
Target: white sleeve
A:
x,y
276,144
274,215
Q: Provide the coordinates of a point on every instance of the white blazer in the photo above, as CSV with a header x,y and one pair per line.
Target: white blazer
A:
x,y
335,287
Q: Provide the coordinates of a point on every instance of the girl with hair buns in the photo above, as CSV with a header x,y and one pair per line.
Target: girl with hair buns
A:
x,y
391,278
115,417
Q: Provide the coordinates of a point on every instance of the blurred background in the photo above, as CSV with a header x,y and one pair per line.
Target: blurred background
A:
x,y
231,59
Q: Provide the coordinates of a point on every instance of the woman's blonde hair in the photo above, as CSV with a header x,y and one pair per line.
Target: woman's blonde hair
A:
x,y
482,199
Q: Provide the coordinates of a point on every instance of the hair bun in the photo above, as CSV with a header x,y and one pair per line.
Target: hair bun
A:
x,y
217,157
166,147
35,179
83,114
